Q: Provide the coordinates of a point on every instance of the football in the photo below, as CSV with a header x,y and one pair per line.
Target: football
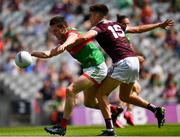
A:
x,y
23,59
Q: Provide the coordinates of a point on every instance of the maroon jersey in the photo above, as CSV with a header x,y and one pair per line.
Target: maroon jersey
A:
x,y
111,37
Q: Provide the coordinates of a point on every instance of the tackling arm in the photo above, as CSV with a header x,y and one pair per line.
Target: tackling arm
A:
x,y
148,27
73,40
86,36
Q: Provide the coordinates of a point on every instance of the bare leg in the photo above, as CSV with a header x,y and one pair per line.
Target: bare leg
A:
x,y
134,99
126,96
136,89
106,88
82,83
90,99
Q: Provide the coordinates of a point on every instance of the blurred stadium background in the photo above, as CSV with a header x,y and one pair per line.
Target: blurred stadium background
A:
x,y
35,96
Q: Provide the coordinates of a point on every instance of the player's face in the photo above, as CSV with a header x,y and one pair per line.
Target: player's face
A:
x,y
126,21
94,18
57,30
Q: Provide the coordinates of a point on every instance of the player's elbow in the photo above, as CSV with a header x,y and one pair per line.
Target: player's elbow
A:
x,y
50,56
138,30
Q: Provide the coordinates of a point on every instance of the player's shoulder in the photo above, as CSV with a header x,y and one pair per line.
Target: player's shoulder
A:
x,y
105,22
72,30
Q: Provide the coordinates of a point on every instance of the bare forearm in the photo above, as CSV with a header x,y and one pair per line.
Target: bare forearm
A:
x,y
86,36
143,28
40,54
68,44
81,40
148,27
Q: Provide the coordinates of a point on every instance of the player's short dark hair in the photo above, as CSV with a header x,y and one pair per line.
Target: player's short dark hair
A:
x,y
58,20
100,8
120,18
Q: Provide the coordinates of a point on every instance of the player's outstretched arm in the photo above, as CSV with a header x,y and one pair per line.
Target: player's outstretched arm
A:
x,y
148,27
43,54
58,50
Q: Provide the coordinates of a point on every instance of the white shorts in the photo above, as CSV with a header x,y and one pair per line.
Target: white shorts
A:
x,y
125,70
96,73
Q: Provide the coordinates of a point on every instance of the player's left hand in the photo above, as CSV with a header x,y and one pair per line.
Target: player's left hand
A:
x,y
166,24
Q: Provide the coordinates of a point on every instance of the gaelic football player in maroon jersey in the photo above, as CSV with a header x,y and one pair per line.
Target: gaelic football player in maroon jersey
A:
x,y
125,69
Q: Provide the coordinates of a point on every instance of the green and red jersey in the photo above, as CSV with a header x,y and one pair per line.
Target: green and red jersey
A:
x,y
87,53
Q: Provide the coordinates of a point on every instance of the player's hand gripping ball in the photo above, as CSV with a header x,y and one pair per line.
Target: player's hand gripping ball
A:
x,y
23,59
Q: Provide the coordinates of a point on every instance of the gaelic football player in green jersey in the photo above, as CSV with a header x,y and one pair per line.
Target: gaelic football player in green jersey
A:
x,y
94,69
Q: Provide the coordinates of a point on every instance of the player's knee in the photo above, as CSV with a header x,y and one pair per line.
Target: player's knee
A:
x,y
137,89
90,102
124,98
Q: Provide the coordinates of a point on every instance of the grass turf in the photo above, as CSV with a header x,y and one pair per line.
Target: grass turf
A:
x,y
141,130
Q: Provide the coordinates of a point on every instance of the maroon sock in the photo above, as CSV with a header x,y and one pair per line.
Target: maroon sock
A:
x,y
151,107
114,109
64,123
109,124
